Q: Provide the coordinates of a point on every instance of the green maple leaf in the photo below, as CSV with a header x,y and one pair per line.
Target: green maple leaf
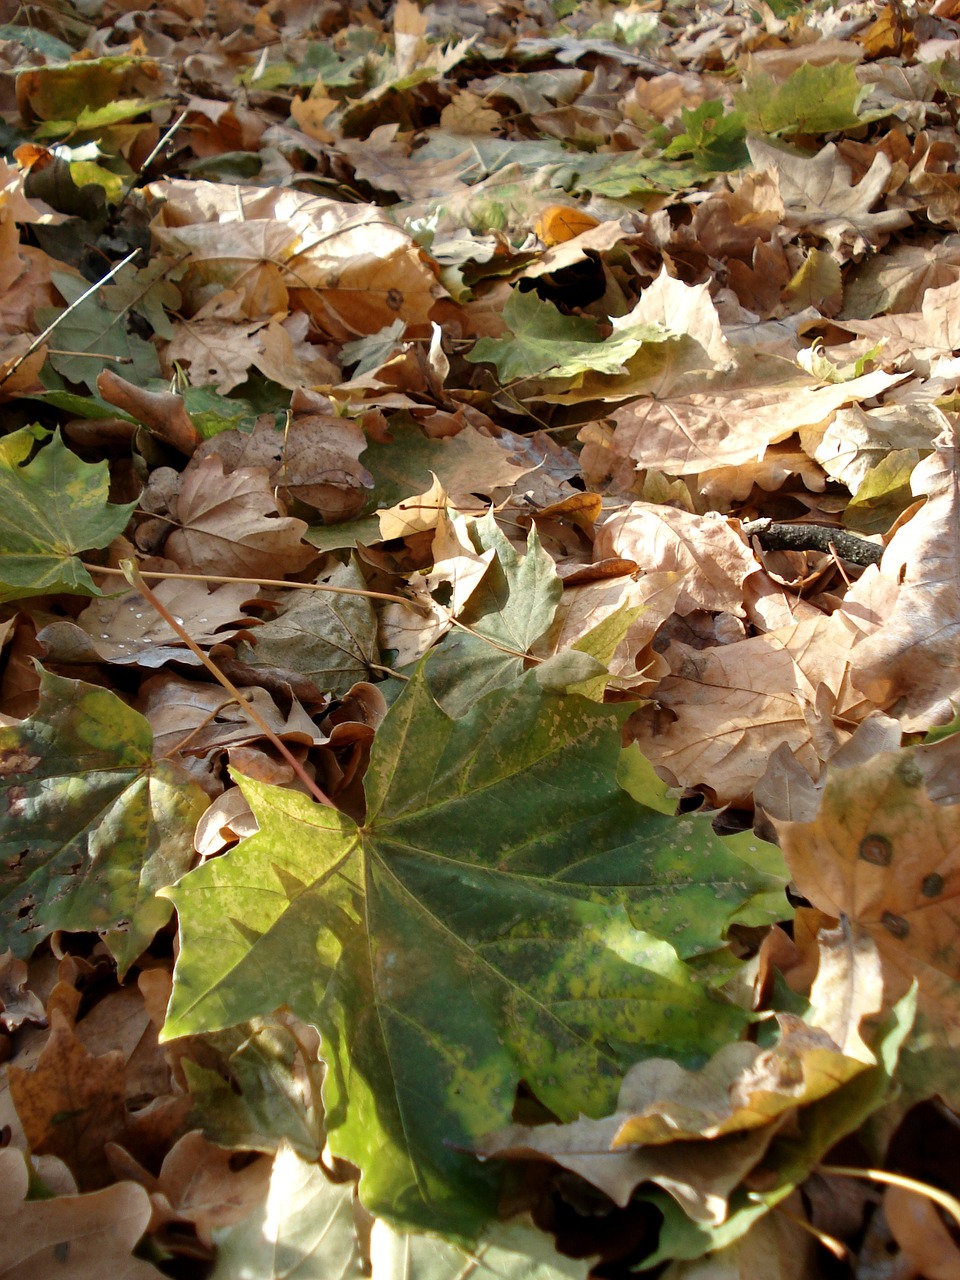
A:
x,y
544,340
506,912
51,508
91,826
513,606
815,99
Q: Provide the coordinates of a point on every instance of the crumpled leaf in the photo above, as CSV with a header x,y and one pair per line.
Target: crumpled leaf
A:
x,y
522,911
87,1233
51,508
92,826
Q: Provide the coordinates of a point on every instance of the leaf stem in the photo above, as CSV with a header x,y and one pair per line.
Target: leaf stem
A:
x,y
945,1201
132,574
257,582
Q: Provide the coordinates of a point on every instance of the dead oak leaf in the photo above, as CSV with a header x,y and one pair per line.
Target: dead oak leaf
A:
x,y
71,1103
232,525
83,1236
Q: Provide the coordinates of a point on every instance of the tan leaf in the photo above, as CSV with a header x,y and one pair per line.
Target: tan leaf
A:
x,y
912,664
232,525
126,629
729,425
713,559
197,1184
919,1230
17,1003
886,856
348,266
85,1236
315,460
818,196
732,706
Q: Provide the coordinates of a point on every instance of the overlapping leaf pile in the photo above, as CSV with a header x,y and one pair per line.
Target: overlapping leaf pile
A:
x,y
457,463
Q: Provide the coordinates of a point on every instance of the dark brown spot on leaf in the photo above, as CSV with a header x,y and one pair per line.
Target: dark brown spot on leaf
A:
x,y
877,850
932,885
895,924
394,299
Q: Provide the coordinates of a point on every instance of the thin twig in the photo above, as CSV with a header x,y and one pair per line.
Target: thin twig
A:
x,y
41,338
259,582
132,575
945,1201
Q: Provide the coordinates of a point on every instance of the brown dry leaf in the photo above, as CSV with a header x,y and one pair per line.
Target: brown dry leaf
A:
x,y
699,1175
734,705
315,460
232,525
348,266
198,1184
161,412
71,1103
933,330
695,1133
818,196
883,854
911,666
920,1232
126,629
848,988
85,1236
706,550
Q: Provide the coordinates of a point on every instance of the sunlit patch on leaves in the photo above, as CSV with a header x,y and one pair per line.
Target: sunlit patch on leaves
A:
x,y
467,936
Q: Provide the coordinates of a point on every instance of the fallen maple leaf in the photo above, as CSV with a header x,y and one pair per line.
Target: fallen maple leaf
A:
x,y
232,525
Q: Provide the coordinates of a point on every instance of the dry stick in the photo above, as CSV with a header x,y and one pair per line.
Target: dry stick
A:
x,y
150,159
132,575
813,537
41,338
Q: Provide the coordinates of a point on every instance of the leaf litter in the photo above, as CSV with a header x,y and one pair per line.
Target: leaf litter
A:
x,y
522,836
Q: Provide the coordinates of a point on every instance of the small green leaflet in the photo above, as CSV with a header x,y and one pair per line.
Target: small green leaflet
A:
x,y
506,912
51,508
513,606
91,826
543,340
713,138
95,329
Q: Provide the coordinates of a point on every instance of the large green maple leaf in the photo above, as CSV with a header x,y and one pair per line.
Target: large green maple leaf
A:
x,y
90,824
52,506
505,913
